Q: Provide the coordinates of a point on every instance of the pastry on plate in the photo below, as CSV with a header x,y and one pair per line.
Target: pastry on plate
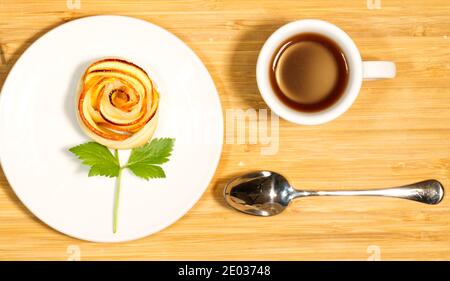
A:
x,y
117,104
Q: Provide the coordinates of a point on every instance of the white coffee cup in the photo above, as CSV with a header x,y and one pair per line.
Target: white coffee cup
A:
x,y
358,71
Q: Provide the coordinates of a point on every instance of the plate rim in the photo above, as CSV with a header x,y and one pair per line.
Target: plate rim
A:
x,y
213,165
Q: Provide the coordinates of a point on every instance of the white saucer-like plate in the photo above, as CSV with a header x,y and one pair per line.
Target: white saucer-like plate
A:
x,y
38,124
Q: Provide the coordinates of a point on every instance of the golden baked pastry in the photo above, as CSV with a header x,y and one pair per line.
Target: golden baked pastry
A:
x,y
117,104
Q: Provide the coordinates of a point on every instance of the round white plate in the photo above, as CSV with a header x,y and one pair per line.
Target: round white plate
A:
x,y
38,125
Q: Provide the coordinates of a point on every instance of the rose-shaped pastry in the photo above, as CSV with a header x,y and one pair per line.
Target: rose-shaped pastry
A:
x,y
117,104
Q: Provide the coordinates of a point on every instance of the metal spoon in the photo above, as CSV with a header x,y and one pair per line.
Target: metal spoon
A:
x,y
267,193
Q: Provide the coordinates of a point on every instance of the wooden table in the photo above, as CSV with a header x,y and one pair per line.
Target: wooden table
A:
x,y
397,132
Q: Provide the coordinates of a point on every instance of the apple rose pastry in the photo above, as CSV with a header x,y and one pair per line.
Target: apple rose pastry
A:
x,y
117,104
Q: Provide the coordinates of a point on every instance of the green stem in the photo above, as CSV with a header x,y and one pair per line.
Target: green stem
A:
x,y
117,193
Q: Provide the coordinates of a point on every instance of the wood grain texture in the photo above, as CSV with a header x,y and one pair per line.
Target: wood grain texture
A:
x,y
397,132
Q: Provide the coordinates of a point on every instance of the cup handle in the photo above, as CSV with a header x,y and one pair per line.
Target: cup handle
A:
x,y
375,70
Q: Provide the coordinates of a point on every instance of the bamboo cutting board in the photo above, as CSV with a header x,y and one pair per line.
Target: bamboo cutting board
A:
x,y
397,132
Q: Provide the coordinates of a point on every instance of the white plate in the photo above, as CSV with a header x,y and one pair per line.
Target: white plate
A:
x,y
38,124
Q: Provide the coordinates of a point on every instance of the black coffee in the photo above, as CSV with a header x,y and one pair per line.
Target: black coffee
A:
x,y
309,72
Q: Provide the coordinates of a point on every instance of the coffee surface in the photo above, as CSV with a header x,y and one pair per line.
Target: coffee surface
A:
x,y
309,72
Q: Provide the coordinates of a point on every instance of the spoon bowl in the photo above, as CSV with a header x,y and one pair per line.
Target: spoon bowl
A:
x,y
262,193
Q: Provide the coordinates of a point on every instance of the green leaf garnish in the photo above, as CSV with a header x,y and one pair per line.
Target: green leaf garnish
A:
x,y
143,162
99,157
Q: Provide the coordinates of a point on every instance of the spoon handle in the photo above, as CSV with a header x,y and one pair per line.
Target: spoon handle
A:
x,y
428,192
